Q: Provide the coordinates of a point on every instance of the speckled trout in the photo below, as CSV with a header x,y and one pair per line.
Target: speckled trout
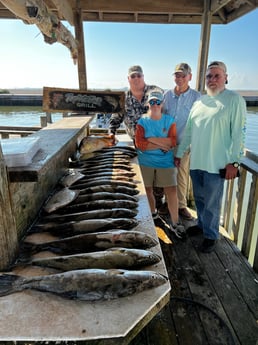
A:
x,y
91,242
87,225
111,258
86,285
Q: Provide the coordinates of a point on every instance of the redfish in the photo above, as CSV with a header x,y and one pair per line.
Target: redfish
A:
x,y
94,143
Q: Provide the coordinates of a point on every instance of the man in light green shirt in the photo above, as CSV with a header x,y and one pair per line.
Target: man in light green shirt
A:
x,y
215,133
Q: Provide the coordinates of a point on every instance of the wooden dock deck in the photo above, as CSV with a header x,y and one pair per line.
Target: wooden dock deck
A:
x,y
214,298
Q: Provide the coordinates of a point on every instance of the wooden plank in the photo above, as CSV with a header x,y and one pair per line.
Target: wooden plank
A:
x,y
59,99
8,233
232,303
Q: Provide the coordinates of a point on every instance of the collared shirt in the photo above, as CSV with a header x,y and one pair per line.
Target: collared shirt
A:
x,y
179,107
215,130
133,111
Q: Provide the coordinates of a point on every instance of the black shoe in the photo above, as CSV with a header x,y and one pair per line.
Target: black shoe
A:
x,y
194,230
207,245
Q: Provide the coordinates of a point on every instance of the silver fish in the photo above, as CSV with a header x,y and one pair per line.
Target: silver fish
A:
x,y
99,182
110,258
86,285
90,242
97,205
107,172
88,225
71,177
61,199
104,196
109,188
48,221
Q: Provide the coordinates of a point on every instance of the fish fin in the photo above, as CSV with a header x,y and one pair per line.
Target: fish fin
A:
x,y
6,284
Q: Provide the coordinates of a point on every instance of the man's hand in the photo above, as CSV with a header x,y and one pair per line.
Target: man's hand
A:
x,y
231,172
177,162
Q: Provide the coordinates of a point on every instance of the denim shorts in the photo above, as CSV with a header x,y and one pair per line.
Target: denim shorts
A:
x,y
159,177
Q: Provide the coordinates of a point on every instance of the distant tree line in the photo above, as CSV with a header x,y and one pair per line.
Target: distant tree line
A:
x,y
4,91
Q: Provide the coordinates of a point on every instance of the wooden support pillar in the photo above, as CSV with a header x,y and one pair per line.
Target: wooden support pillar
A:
x,y
204,47
78,24
8,232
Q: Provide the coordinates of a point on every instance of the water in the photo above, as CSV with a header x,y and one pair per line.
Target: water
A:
x,y
30,116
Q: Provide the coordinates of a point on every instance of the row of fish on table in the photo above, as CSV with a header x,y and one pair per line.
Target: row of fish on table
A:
x,y
96,254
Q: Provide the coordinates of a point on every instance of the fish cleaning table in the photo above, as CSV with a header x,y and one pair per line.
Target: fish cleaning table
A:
x,y
38,316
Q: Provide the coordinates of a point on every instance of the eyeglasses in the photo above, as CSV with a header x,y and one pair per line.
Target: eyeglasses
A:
x,y
177,75
152,102
213,76
136,75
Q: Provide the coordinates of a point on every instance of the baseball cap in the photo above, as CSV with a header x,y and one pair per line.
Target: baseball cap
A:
x,y
184,68
155,95
218,64
135,69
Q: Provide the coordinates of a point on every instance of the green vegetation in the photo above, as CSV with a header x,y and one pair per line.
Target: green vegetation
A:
x,y
4,91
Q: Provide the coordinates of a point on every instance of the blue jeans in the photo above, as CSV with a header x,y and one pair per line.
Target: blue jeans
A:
x,y
208,193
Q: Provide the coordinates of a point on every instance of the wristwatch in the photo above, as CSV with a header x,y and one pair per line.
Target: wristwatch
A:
x,y
235,164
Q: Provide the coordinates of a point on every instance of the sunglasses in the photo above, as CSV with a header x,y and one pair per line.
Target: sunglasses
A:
x,y
152,102
136,75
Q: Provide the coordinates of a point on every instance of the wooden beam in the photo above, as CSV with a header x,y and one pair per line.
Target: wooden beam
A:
x,y
79,36
8,231
217,5
64,10
204,48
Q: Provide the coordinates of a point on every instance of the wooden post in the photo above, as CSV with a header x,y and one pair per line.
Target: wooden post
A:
x,y
8,231
81,52
204,47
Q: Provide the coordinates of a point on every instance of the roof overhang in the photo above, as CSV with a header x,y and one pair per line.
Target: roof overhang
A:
x,y
146,11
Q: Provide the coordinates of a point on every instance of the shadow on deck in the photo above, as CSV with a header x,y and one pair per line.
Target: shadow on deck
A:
x,y
214,298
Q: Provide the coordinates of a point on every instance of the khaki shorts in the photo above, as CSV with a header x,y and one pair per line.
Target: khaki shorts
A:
x,y
159,177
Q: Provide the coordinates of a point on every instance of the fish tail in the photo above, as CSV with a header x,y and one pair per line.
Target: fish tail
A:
x,y
7,284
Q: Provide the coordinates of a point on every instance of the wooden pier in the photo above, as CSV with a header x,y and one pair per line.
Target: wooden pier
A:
x,y
214,298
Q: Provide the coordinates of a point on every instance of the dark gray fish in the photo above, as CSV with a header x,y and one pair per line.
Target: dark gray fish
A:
x,y
100,182
109,188
90,242
127,167
107,172
110,258
97,205
88,225
86,179
86,285
104,196
47,221
101,161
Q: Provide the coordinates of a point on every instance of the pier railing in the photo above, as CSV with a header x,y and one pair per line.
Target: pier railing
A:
x,y
239,214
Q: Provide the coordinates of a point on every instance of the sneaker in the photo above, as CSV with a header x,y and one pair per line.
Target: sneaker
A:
x,y
207,245
185,214
158,221
163,210
194,230
179,230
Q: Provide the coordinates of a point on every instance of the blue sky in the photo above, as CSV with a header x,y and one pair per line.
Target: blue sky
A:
x,y
27,61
